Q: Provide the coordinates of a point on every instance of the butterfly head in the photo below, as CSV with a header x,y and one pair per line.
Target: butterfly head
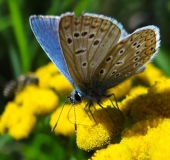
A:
x,y
75,97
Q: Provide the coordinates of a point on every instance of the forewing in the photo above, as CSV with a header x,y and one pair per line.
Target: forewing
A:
x,y
128,57
85,41
45,29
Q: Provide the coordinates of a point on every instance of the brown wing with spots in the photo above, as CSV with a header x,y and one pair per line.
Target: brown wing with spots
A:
x,y
85,41
128,57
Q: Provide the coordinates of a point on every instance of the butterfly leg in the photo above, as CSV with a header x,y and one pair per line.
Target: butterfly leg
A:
x,y
88,111
106,111
116,106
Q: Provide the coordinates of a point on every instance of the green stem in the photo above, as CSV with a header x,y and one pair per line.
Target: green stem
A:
x,y
17,22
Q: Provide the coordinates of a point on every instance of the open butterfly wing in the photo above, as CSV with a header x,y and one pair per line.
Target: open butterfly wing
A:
x,y
128,57
45,29
85,41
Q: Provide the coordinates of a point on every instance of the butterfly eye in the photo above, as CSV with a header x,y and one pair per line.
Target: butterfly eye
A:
x,y
77,97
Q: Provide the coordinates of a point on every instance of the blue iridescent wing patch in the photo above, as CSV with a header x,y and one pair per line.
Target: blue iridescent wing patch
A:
x,y
45,29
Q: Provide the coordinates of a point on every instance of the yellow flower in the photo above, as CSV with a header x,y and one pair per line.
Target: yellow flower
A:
x,y
38,100
19,116
113,152
150,74
45,74
147,139
70,117
155,103
98,131
50,77
122,89
17,121
131,98
60,84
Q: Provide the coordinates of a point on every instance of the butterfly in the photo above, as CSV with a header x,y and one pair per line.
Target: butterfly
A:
x,y
94,52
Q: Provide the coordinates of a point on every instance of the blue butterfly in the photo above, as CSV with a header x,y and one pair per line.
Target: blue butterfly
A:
x,y
94,52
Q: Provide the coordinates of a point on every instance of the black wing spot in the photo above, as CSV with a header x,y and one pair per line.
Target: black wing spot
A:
x,y
113,72
102,71
127,74
117,75
69,40
84,64
80,51
83,34
96,42
76,35
108,59
136,59
136,64
91,36
137,52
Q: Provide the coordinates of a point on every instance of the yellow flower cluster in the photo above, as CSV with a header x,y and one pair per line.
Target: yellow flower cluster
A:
x,y
19,116
148,139
140,119
147,112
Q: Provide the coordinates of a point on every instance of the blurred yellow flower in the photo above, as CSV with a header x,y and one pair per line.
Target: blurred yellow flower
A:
x,y
150,74
17,121
126,104
155,102
70,116
45,74
122,89
50,77
38,100
61,85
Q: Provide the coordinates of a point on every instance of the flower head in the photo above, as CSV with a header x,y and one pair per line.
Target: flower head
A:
x,y
99,131
17,121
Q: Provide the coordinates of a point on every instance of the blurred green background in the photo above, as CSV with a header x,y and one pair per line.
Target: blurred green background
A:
x,y
21,53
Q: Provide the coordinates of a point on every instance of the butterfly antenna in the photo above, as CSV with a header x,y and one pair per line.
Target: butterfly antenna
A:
x,y
75,123
52,130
